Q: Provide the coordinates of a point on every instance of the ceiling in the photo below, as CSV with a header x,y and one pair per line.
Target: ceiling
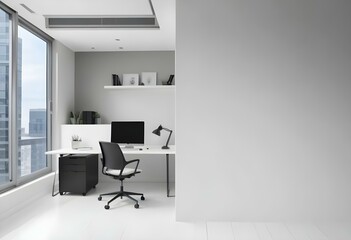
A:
x,y
82,40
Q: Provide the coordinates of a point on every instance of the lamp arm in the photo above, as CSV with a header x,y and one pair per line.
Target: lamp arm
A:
x,y
169,137
168,130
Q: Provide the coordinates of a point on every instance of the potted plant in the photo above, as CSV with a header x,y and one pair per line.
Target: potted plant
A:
x,y
97,118
76,140
72,118
75,118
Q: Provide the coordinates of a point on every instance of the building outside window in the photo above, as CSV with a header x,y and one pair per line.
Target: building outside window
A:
x,y
31,102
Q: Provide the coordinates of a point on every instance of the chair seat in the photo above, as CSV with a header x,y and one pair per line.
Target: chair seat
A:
x,y
126,171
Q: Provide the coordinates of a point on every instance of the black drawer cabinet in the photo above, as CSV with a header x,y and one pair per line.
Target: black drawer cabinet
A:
x,y
78,173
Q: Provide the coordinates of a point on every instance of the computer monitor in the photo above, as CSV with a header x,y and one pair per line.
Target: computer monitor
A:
x,y
127,132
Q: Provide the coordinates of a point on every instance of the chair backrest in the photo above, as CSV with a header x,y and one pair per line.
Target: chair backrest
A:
x,y
112,155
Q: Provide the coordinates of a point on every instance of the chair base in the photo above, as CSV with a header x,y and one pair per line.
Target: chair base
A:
x,y
122,194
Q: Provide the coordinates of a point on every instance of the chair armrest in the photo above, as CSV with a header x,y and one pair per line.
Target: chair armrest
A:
x,y
131,161
103,169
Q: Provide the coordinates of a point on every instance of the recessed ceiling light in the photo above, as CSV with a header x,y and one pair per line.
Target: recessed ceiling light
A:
x,y
117,39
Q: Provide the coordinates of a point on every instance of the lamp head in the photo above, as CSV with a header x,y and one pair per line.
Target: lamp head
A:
x,y
157,131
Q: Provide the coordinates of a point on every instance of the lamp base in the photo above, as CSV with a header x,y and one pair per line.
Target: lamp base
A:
x,y
165,147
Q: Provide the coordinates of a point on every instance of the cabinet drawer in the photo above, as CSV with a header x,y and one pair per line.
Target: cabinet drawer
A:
x,y
72,182
72,168
76,160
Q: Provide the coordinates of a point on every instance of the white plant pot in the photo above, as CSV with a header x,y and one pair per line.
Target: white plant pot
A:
x,y
76,144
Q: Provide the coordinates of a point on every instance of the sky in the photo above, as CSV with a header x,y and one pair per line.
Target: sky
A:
x,y
33,74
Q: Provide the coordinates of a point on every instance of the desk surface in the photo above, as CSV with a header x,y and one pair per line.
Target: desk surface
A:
x,y
152,149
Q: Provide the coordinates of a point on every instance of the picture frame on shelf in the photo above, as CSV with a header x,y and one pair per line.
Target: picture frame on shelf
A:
x,y
148,78
130,79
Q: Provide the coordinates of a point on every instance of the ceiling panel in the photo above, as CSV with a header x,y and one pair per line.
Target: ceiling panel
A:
x,y
88,7
104,39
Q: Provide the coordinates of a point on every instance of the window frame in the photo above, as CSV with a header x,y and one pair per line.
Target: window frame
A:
x,y
17,21
12,75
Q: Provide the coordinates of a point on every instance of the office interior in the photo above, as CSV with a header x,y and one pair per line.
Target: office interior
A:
x,y
260,113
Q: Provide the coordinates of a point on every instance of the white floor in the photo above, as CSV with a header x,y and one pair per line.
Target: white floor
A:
x,y
77,217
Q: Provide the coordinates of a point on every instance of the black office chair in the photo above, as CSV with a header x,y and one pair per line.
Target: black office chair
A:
x,y
114,165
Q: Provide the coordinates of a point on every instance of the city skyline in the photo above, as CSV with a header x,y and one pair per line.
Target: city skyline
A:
x,y
33,75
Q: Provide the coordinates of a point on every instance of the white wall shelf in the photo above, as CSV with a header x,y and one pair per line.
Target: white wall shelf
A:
x,y
140,87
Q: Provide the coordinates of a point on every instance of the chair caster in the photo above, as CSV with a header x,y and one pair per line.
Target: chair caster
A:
x,y
142,198
107,207
99,198
84,194
61,193
136,205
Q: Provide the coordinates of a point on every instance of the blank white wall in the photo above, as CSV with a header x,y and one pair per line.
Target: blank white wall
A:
x,y
62,91
263,110
94,70
62,88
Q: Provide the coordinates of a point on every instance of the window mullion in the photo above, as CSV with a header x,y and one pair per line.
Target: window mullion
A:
x,y
13,101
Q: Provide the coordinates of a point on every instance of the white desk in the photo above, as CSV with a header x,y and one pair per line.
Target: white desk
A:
x,y
143,150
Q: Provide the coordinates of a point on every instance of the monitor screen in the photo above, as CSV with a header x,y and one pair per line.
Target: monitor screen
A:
x,y
127,132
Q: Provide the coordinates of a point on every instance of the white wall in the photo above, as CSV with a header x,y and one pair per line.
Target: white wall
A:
x,y
94,70
62,88
62,92
263,110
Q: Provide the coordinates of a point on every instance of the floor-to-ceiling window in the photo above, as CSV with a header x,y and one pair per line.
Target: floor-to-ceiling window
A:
x,y
31,102
24,96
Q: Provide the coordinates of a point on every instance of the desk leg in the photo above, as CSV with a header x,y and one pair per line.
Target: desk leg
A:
x,y
53,184
167,163
53,187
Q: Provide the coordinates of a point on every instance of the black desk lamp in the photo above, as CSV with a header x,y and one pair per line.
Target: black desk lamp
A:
x,y
157,131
